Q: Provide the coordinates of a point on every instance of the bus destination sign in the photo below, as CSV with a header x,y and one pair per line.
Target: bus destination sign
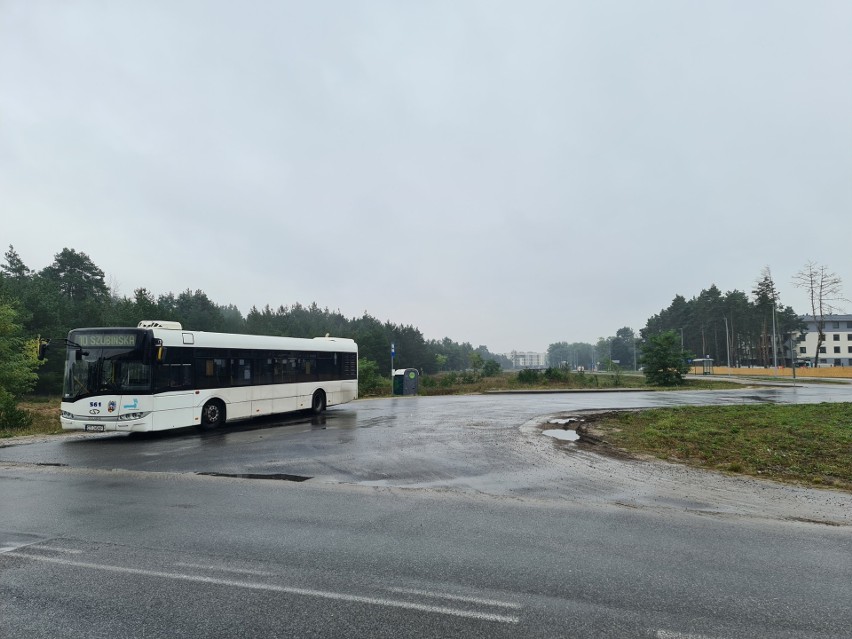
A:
x,y
105,340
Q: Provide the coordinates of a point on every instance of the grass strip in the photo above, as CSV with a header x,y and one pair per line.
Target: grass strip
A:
x,y
810,443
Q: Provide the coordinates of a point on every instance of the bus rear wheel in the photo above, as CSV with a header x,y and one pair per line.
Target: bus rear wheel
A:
x,y
212,415
318,402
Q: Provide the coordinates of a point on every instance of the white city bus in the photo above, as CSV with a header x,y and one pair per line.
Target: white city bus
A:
x,y
159,376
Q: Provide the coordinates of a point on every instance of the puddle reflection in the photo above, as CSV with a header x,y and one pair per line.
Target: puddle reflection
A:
x,y
564,435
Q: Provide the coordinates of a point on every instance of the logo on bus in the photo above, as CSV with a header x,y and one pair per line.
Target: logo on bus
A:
x,y
111,407
94,411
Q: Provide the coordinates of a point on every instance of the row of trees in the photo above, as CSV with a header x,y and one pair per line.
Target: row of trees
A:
x,y
72,292
730,328
734,328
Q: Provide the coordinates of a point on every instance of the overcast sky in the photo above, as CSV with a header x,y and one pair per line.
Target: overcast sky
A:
x,y
506,173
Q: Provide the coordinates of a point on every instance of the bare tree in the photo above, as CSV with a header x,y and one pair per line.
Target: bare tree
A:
x,y
824,290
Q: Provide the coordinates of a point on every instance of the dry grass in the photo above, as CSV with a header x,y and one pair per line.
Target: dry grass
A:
x,y
45,414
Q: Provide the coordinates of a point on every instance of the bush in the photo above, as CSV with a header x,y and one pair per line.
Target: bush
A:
x,y
12,417
664,360
450,379
491,368
369,380
529,376
556,375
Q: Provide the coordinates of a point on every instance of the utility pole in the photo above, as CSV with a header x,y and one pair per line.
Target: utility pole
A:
x,y
774,343
727,341
792,356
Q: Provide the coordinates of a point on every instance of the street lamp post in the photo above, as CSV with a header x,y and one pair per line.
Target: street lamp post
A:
x,y
774,343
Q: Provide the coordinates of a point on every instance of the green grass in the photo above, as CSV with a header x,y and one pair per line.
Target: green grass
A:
x,y
803,443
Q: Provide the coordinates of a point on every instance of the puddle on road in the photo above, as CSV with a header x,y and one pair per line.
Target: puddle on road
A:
x,y
565,435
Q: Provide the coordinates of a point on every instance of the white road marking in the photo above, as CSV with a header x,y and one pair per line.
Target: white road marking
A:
x,y
443,595
671,634
69,551
306,592
243,571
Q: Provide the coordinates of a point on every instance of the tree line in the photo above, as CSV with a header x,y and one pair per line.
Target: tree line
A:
x,y
72,292
730,328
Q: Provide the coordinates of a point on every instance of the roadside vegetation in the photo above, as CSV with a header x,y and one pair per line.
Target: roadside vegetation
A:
x,y
372,384
810,443
41,418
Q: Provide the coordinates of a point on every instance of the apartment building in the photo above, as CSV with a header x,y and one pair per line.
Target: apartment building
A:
x,y
836,350
527,359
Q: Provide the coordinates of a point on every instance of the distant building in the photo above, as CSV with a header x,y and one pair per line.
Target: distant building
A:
x,y
527,359
836,350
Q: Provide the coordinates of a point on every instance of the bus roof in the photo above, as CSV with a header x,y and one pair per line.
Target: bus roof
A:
x,y
173,334
204,339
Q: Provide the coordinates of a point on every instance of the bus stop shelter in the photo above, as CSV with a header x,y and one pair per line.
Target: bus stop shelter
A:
x,y
703,366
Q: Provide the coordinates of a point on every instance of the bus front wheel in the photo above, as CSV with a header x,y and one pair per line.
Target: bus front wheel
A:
x,y
212,415
318,402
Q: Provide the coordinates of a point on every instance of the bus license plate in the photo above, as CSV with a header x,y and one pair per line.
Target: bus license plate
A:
x,y
96,428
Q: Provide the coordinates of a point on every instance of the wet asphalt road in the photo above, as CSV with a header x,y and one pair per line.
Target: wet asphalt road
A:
x,y
422,517
412,442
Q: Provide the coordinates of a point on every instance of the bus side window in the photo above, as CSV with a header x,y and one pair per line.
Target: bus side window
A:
x,y
175,372
264,370
240,372
211,372
307,370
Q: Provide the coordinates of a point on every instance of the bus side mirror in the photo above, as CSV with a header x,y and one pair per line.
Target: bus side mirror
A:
x,y
42,348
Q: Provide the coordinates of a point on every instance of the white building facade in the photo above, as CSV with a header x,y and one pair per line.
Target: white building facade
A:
x,y
527,359
836,350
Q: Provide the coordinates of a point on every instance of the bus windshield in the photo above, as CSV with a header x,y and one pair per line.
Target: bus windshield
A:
x,y
110,364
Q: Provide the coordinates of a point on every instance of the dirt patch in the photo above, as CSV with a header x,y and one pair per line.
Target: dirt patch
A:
x,y
591,438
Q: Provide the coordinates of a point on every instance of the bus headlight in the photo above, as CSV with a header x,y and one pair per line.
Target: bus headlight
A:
x,y
128,416
66,414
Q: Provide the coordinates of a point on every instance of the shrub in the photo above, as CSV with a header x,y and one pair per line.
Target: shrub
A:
x,y
491,368
528,376
12,417
556,375
369,380
450,379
